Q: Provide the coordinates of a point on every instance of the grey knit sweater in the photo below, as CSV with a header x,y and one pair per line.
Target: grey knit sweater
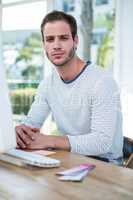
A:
x,y
86,109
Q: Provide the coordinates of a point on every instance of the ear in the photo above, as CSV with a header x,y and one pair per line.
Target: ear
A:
x,y
76,41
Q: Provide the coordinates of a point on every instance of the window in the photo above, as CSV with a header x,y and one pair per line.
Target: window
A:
x,y
101,2
22,50
10,1
68,6
103,34
23,16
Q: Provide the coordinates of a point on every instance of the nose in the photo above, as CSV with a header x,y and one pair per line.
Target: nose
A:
x,y
57,44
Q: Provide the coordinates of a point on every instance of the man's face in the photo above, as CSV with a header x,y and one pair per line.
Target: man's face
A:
x,y
58,42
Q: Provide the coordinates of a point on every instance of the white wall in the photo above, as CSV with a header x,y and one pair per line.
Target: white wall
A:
x,y
123,69
0,33
0,56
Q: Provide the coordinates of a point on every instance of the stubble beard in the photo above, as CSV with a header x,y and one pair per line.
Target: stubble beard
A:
x,y
67,60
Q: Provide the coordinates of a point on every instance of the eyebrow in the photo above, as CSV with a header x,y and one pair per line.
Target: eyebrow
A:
x,y
66,35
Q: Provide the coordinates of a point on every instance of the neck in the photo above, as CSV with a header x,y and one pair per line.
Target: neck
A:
x,y
71,69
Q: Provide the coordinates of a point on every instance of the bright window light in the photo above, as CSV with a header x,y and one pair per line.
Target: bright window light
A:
x,y
10,1
25,16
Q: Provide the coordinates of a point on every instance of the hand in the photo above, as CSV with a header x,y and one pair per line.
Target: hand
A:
x,y
41,141
31,138
25,135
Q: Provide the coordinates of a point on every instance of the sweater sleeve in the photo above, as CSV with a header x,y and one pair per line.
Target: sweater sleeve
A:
x,y
105,104
39,109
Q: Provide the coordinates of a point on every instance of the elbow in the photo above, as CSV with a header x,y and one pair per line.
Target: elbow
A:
x,y
104,146
104,149
101,147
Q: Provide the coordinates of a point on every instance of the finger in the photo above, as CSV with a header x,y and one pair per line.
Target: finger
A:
x,y
20,135
35,129
25,138
33,146
25,132
29,132
20,143
17,146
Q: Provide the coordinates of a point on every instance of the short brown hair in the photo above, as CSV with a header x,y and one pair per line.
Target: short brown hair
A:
x,y
61,16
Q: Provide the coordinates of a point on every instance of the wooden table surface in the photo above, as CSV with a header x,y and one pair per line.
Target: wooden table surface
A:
x,y
106,181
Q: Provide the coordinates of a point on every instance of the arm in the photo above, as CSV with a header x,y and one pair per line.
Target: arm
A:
x,y
35,118
105,105
39,109
105,108
42,141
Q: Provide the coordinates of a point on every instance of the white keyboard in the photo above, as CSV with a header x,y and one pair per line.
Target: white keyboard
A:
x,y
33,159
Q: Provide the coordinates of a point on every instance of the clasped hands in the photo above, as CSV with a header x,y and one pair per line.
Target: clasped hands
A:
x,y
31,138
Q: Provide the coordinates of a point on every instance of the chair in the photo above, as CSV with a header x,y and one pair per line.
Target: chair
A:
x,y
129,162
128,152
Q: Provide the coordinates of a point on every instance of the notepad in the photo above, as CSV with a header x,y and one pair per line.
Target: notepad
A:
x,y
77,173
44,152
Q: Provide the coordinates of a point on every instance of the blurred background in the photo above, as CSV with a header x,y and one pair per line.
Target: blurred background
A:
x,y
105,29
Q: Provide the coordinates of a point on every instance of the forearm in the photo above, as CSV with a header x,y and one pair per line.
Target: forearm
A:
x,y
36,116
105,109
39,109
94,143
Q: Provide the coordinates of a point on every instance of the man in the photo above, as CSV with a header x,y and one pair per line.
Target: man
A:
x,y
83,99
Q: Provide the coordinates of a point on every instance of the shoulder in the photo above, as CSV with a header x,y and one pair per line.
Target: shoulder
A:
x,y
101,74
98,72
47,82
102,80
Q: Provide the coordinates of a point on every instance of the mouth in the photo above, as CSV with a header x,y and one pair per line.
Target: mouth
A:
x,y
58,54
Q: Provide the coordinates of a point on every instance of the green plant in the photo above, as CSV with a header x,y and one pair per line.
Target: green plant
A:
x,y
31,49
105,50
22,99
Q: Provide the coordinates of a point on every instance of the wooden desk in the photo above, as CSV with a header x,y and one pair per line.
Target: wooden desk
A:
x,y
106,181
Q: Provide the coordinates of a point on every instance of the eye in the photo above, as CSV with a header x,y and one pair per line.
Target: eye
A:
x,y
64,37
49,39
